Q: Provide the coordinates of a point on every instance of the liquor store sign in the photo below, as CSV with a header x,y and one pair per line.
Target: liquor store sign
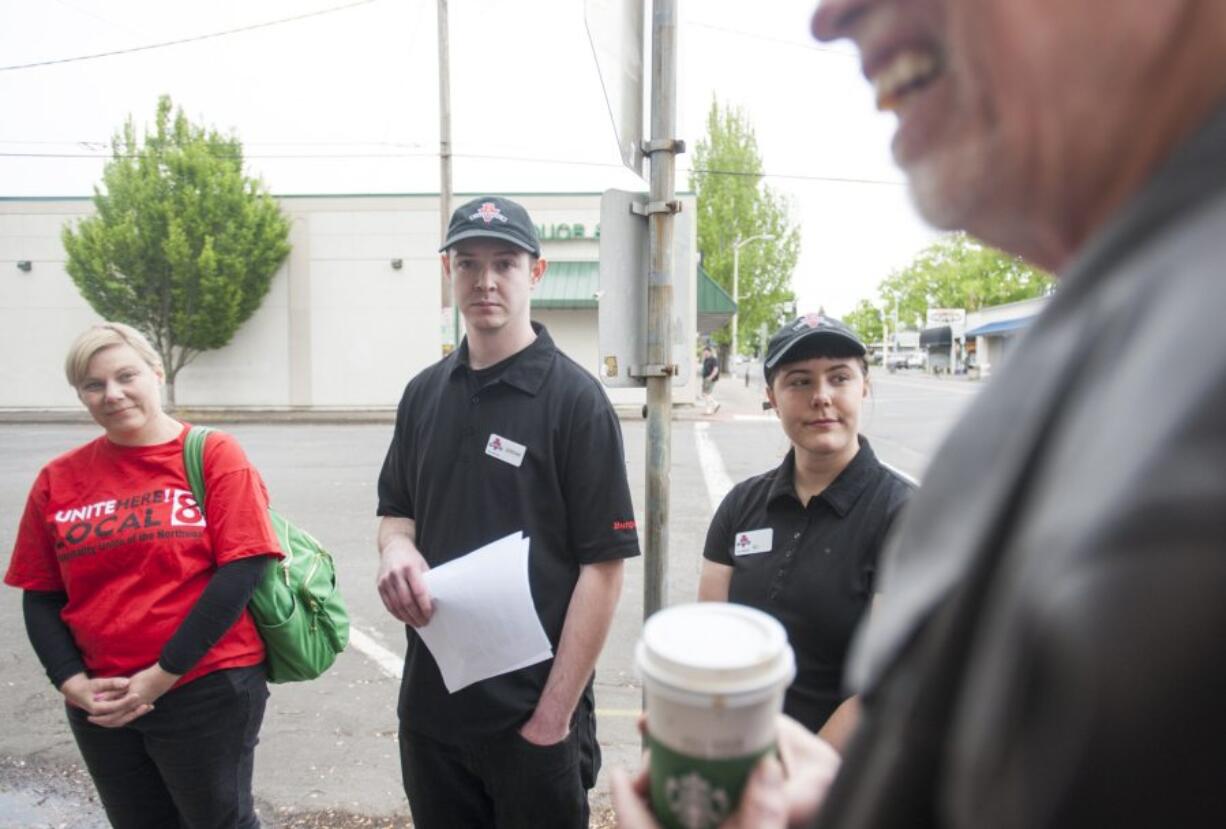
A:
x,y
563,231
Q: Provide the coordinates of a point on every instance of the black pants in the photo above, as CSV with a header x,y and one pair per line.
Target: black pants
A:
x,y
185,764
499,781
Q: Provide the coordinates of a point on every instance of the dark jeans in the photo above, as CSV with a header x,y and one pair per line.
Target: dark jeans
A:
x,y
188,762
499,781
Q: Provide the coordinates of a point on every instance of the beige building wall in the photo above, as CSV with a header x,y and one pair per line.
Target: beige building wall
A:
x,y
40,310
342,326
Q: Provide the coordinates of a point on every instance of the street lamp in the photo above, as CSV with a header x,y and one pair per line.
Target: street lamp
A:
x,y
736,274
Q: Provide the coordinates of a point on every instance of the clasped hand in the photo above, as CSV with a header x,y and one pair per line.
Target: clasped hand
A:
x,y
112,702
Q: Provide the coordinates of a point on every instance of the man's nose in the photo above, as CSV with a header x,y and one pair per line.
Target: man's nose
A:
x,y
832,19
484,280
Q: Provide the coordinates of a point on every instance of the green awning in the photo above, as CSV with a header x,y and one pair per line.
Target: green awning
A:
x,y
573,285
712,299
570,285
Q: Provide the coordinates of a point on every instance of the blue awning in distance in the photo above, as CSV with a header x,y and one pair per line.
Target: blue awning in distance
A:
x,y
1000,327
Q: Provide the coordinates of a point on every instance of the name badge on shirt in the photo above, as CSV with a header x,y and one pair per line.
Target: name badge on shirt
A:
x,y
749,542
507,451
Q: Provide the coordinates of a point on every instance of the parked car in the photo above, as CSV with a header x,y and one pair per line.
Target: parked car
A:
x,y
917,359
896,360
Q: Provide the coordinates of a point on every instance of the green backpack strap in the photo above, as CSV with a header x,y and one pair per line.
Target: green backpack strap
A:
x,y
296,607
193,461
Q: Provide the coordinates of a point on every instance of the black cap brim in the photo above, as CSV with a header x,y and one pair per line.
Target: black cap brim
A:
x,y
487,233
811,337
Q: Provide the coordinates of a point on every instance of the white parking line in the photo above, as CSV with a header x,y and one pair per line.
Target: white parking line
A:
x,y
713,472
393,666
388,662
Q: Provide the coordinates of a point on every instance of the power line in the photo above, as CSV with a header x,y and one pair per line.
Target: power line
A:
x,y
93,143
181,41
799,177
224,155
495,157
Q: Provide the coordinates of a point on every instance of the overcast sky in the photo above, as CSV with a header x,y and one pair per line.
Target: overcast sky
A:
x,y
347,102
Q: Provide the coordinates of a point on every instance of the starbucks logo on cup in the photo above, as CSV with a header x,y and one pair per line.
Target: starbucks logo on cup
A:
x,y
694,803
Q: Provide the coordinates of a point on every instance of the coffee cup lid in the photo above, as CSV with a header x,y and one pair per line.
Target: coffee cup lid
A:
x,y
715,648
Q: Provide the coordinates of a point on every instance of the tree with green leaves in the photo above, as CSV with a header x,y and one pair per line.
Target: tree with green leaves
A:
x,y
865,320
958,271
734,205
182,245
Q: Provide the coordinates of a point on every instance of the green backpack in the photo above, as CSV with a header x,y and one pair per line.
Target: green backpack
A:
x,y
296,607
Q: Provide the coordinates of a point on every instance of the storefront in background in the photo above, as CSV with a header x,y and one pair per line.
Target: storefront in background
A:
x,y
352,314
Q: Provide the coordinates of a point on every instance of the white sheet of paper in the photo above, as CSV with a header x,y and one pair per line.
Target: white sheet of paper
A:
x,y
484,622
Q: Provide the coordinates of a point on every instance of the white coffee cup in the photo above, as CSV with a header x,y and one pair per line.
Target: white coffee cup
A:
x,y
714,676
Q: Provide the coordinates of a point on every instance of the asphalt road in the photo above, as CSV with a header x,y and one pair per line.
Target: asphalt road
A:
x,y
329,746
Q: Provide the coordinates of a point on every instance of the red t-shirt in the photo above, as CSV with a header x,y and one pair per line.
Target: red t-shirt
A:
x,y
117,529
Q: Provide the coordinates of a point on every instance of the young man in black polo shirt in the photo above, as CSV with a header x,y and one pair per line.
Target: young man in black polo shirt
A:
x,y
506,434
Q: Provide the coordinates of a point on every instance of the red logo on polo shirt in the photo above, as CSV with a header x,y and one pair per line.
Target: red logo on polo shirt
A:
x,y
625,525
488,212
743,541
496,443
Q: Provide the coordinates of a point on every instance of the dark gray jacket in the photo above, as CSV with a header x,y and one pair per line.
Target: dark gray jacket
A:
x,y
1049,648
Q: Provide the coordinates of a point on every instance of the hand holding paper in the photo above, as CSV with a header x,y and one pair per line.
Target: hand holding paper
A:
x,y
484,621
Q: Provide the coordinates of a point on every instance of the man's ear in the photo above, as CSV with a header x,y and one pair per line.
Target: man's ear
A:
x,y
538,270
446,258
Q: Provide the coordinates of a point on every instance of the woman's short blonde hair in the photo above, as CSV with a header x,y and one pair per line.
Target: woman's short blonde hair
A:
x,y
103,335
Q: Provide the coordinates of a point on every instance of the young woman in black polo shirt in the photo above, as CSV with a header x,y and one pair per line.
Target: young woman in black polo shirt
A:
x,y
801,541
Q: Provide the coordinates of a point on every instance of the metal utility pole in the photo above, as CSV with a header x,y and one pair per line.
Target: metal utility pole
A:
x,y
885,340
662,204
444,157
736,276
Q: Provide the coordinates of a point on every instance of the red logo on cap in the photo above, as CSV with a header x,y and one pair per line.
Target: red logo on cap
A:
x,y
813,320
487,212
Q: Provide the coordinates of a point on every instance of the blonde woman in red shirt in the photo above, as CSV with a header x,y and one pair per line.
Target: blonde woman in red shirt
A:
x,y
136,605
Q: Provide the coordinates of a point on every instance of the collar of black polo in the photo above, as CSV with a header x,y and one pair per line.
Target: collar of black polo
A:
x,y
528,368
843,491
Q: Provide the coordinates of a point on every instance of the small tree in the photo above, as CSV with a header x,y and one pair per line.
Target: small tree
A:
x,y
734,204
183,246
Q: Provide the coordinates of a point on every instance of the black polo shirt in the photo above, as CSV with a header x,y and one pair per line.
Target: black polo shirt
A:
x,y
810,566
455,467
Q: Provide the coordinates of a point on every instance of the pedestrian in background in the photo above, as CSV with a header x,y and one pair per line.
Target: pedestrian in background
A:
x,y
136,606
710,374
505,434
1047,649
801,542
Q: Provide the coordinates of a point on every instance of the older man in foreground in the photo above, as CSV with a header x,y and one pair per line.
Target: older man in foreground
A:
x,y
1047,649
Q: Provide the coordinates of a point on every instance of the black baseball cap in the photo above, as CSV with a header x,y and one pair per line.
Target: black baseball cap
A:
x,y
493,217
812,335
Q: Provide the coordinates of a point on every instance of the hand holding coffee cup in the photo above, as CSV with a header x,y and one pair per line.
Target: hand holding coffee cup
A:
x,y
714,677
808,764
